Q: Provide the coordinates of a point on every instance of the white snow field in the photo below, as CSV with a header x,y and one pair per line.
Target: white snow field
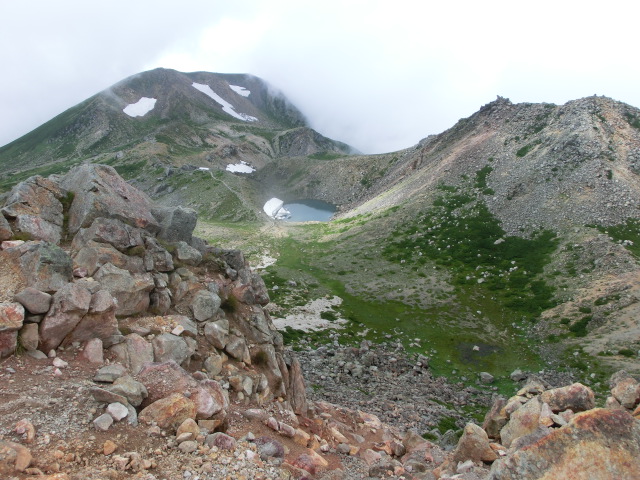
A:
x,y
240,90
242,167
226,106
275,209
141,107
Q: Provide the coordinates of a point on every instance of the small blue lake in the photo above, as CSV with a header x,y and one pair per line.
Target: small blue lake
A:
x,y
309,210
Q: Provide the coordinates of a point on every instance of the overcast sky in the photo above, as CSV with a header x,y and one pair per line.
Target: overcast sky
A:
x,y
379,75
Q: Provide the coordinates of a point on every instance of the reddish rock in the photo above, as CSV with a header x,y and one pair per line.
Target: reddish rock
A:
x,y
169,412
576,397
296,390
135,352
495,418
5,229
188,426
8,342
627,392
70,304
523,421
599,444
13,458
11,316
163,379
221,440
92,351
99,322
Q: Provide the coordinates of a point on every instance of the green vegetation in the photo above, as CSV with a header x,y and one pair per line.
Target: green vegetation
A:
x,y
463,236
633,119
326,156
527,148
628,233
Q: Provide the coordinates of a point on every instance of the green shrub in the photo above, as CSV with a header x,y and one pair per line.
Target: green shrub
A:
x,y
230,304
627,352
260,358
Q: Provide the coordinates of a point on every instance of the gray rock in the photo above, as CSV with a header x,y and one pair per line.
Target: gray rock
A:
x,y
221,440
110,373
117,410
29,337
188,255
176,223
106,396
156,257
518,375
205,305
213,364
46,266
103,422
189,446
134,391
34,300
237,348
70,304
130,291
269,448
217,333
101,192
486,377
160,301
190,327
36,209
135,352
170,347
92,255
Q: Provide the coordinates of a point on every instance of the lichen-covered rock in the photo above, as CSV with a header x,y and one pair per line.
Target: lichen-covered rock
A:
x,y
170,347
93,255
101,192
205,305
186,254
626,390
70,304
36,209
217,333
176,223
46,266
598,444
523,421
130,291
575,397
473,445
169,412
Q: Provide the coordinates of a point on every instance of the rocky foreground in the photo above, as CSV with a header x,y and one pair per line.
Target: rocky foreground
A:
x,y
132,349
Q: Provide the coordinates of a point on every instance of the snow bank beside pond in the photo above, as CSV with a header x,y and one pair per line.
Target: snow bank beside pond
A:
x,y
275,209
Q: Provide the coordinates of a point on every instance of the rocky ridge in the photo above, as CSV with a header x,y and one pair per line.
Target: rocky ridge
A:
x,y
132,347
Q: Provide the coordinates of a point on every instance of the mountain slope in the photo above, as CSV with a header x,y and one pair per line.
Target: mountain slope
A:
x,y
197,118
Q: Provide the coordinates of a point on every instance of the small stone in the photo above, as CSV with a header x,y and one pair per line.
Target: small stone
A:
x,y
58,362
109,447
118,411
103,422
188,447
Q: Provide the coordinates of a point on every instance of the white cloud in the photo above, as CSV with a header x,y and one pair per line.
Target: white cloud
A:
x,y
375,74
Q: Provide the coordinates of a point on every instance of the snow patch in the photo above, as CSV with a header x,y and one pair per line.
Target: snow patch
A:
x,y
240,90
307,317
203,169
141,107
226,106
275,209
242,167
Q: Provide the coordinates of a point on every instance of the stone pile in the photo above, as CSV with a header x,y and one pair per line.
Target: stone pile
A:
x,y
555,433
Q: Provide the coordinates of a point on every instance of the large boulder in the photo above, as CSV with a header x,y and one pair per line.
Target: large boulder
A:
x,y
596,445
110,231
101,192
130,291
524,421
35,301
99,322
70,304
187,255
135,352
169,412
170,347
205,305
576,397
176,223
46,266
93,255
35,207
